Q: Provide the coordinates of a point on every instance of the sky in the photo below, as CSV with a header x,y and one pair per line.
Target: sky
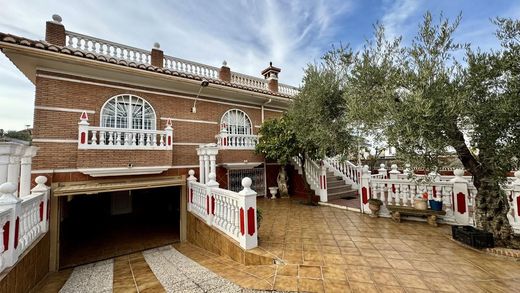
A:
x,y
248,34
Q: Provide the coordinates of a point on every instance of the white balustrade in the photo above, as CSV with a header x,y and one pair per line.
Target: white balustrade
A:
x,y
106,48
236,141
288,89
228,211
106,138
347,170
5,216
248,81
190,67
316,175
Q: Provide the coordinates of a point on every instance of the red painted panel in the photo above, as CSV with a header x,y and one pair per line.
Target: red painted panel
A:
x,y
169,140
461,202
393,188
83,138
16,229
242,221
213,205
190,196
207,204
364,195
518,205
225,141
41,211
6,236
84,116
325,181
434,191
251,226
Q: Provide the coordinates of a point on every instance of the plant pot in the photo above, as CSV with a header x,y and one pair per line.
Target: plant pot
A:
x,y
375,209
273,191
436,205
420,204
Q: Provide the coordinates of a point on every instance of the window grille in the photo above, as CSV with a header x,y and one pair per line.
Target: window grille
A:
x,y
128,111
256,174
236,121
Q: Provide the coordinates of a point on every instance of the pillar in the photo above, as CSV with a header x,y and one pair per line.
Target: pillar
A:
x,y
157,56
202,171
248,233
224,73
13,169
25,170
206,167
8,200
55,31
460,198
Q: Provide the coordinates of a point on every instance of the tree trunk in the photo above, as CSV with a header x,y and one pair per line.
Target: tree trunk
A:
x,y
307,186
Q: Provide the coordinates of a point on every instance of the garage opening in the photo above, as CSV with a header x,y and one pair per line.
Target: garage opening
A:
x,y
99,226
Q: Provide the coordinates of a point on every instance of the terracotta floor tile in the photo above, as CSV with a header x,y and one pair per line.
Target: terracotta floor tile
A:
x,y
310,285
284,283
333,272
359,276
390,289
357,287
287,270
411,281
336,286
400,264
310,272
384,278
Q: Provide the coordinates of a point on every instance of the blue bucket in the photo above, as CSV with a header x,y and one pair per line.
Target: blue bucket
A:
x,y
436,205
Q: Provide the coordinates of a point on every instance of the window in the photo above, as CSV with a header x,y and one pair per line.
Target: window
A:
x,y
236,122
127,111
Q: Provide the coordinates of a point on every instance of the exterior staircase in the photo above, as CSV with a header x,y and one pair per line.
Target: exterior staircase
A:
x,y
338,189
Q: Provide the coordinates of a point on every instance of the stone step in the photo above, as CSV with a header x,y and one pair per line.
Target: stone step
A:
x,y
334,183
338,188
331,196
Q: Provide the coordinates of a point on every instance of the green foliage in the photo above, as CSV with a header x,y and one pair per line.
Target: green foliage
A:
x,y
277,140
17,134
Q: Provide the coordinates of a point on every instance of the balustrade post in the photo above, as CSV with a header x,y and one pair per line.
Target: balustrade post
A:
x,y
44,204
169,134
364,189
25,170
6,149
407,170
8,200
515,204
248,224
382,170
13,169
460,198
190,179
83,130
394,173
210,198
323,183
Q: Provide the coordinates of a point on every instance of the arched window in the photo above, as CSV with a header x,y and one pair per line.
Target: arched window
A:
x,y
127,111
236,122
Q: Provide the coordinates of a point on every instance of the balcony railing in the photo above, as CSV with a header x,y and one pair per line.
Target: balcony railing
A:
x,y
107,138
236,141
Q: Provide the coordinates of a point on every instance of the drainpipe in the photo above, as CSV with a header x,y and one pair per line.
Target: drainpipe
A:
x,y
270,100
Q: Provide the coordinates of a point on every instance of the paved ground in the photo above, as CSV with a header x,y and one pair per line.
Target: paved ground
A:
x,y
320,249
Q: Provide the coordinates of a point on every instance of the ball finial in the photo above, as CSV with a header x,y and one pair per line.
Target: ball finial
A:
x,y
7,188
56,18
212,176
191,172
458,172
246,182
40,180
156,45
224,63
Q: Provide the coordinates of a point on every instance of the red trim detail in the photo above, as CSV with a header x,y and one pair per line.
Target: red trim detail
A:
x,y
84,116
6,235
325,181
16,229
364,195
393,188
191,195
169,140
213,205
321,182
207,204
434,191
518,205
225,141
83,138
41,211
242,221
461,202
251,225
452,198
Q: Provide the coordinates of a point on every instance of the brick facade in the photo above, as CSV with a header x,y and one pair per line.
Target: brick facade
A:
x,y
74,95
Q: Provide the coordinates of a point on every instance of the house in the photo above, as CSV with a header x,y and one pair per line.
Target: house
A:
x,y
117,129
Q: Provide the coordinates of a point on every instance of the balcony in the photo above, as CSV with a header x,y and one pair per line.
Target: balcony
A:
x,y
107,138
226,141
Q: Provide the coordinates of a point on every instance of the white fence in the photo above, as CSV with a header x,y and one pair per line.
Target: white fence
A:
x,y
233,213
106,138
236,141
24,213
316,175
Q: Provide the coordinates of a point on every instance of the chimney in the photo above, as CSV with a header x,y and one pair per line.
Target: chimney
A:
x,y
157,56
224,73
55,31
271,75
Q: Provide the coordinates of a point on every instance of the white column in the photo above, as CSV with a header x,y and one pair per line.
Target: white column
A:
x,y
202,172
364,189
25,170
213,164
394,173
5,152
191,178
460,198
41,187
13,170
248,233
206,168
8,200
210,200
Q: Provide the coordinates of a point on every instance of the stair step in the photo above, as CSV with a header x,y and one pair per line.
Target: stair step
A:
x,y
336,183
352,193
338,188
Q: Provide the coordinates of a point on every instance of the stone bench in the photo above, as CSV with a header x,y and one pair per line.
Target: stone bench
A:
x,y
431,215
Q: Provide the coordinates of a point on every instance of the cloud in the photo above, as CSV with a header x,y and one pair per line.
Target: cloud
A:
x,y
396,16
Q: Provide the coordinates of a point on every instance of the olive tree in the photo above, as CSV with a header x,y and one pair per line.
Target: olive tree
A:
x,y
428,103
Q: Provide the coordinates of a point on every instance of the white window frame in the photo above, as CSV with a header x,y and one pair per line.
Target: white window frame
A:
x,y
225,123
139,101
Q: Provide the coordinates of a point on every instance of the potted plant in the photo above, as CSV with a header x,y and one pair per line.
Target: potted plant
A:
x,y
374,205
421,202
436,203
